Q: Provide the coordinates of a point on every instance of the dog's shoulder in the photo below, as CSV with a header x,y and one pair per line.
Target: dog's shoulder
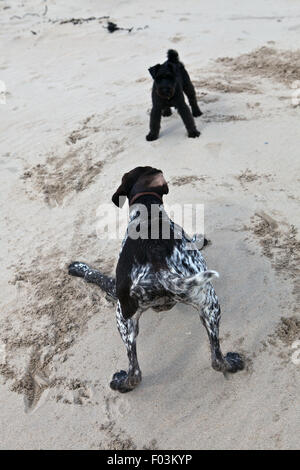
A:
x,y
146,251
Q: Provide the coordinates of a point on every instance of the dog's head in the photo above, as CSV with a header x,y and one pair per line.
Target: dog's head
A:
x,y
165,78
140,179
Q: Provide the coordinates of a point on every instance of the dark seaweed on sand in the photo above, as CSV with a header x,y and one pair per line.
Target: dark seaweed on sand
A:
x,y
112,27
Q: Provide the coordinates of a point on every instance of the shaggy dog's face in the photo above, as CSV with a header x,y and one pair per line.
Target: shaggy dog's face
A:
x,y
165,78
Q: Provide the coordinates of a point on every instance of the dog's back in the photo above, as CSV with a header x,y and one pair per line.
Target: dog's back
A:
x,y
157,272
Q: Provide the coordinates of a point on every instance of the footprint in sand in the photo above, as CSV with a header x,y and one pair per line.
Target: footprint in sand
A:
x,y
116,407
75,393
176,38
82,396
35,383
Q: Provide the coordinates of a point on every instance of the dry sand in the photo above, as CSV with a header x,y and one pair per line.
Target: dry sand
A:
x,y
75,119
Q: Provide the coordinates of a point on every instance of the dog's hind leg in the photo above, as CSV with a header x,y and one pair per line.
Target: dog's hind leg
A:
x,y
190,92
188,119
106,283
128,328
210,316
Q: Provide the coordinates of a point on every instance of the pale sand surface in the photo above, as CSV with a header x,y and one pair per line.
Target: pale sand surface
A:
x,y
75,120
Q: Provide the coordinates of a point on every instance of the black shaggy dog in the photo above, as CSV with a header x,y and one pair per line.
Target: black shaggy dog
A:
x,y
156,270
171,81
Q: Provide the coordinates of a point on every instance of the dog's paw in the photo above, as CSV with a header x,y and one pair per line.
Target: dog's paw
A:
x,y
166,112
197,112
78,269
151,137
194,133
234,361
122,383
119,382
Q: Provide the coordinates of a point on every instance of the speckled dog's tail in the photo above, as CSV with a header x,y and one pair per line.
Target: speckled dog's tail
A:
x,y
173,56
179,285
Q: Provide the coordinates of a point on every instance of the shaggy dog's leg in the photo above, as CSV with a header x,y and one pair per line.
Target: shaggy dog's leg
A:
x,y
210,317
189,90
188,119
106,283
155,118
128,328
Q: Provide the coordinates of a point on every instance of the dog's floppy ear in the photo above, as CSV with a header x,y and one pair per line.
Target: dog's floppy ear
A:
x,y
119,197
153,70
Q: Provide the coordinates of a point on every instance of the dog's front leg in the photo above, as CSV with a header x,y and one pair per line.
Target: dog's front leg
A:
x,y
188,119
210,316
128,328
155,118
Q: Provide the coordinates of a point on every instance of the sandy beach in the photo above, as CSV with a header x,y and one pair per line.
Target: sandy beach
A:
x,y
74,113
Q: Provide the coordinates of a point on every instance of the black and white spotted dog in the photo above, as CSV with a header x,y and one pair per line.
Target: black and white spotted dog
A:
x,y
156,273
